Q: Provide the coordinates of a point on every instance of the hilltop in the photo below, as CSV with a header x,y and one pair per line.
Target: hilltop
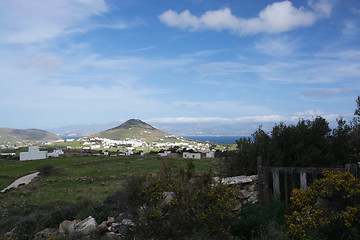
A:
x,y
14,135
134,129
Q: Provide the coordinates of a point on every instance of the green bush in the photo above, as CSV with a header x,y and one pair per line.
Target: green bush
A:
x,y
47,170
256,219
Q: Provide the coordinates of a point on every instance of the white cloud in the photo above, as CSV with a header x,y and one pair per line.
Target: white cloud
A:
x,y
328,92
350,29
43,61
271,118
24,21
276,46
275,18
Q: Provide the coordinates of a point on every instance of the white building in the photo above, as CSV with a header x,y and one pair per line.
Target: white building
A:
x,y
164,154
33,154
192,155
210,154
56,153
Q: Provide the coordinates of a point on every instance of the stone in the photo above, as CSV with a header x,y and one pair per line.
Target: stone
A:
x,y
87,226
68,227
168,197
111,236
237,208
128,223
237,180
48,233
244,194
103,226
12,233
110,220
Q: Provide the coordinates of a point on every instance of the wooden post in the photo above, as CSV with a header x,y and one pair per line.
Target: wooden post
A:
x,y
266,184
263,181
276,182
352,168
303,181
293,186
260,178
286,189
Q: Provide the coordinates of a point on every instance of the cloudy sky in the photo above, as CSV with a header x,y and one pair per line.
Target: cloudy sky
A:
x,y
66,62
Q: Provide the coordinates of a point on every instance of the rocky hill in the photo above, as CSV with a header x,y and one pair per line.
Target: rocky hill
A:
x,y
14,135
135,129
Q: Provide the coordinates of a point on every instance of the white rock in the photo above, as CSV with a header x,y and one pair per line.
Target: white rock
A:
x,y
87,226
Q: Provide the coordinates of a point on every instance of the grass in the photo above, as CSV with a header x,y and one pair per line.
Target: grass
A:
x,y
83,178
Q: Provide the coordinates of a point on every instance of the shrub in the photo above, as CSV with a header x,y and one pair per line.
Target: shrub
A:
x,y
198,207
255,219
46,169
329,209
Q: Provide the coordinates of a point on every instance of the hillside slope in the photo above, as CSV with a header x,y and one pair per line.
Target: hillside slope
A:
x,y
133,128
13,135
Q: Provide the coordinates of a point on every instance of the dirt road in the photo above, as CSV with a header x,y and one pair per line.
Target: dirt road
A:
x,y
23,180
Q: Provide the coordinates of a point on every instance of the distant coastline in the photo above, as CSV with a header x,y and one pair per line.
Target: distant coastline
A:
x,y
217,139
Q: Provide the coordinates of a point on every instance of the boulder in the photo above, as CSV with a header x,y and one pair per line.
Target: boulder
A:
x,y
128,223
48,233
87,226
68,227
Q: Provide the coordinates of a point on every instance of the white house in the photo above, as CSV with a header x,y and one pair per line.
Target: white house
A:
x,y
164,154
210,154
33,154
56,153
192,155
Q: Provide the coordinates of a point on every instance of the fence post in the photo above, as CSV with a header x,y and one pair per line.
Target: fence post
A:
x,y
303,181
276,182
352,168
286,188
262,181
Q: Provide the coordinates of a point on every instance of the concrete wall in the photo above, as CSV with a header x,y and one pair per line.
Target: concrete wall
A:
x,y
192,155
33,154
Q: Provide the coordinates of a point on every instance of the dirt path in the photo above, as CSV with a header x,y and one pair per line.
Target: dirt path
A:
x,y
23,180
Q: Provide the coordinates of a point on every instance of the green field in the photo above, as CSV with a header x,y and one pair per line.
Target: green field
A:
x,y
83,178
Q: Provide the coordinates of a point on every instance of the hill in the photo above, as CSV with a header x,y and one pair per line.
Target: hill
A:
x,y
135,129
14,135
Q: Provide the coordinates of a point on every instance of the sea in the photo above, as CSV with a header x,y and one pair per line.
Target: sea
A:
x,y
217,139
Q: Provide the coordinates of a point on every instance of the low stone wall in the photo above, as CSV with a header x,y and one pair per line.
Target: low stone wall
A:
x,y
246,189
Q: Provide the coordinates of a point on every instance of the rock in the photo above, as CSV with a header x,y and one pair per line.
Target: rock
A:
x,y
87,226
254,198
128,223
237,179
244,194
168,197
48,233
68,227
11,234
114,227
110,220
237,208
111,236
103,226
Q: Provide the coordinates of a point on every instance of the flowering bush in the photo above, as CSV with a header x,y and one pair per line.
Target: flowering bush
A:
x,y
330,208
197,206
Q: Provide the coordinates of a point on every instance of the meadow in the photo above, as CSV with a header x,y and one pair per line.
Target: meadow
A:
x,y
89,178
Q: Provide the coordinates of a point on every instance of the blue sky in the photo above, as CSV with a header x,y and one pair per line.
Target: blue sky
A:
x,y
65,62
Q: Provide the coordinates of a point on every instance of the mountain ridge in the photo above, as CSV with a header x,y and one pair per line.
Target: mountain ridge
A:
x,y
132,128
13,135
